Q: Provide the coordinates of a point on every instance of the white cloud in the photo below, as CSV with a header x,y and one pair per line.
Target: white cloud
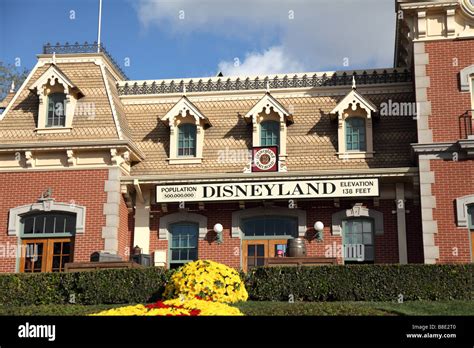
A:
x,y
318,37
272,61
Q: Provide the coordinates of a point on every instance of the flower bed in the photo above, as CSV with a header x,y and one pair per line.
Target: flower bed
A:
x,y
197,288
175,307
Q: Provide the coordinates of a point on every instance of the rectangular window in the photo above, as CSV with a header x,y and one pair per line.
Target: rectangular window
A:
x,y
56,110
187,140
355,134
270,133
358,240
184,243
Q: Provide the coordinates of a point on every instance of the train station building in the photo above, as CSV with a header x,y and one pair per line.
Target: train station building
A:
x,y
377,162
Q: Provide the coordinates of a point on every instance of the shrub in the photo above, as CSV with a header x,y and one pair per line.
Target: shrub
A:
x,y
208,280
94,287
361,283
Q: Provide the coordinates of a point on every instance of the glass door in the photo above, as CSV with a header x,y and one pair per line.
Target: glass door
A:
x,y
46,255
255,252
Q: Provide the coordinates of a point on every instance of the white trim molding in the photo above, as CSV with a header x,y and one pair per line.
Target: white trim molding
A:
x,y
357,211
238,216
16,213
182,216
184,111
52,81
354,105
466,76
461,209
269,109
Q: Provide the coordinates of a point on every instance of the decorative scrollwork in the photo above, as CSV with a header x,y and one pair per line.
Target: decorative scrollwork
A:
x,y
86,47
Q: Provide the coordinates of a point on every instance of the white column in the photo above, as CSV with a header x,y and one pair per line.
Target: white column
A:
x,y
401,224
141,234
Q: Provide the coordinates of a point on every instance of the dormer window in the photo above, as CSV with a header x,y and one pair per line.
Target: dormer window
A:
x,y
56,110
57,101
354,115
270,133
187,140
187,125
269,121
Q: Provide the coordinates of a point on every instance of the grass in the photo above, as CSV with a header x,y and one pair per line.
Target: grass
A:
x,y
283,308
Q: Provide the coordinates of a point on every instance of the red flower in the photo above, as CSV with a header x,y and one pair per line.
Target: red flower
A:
x,y
158,304
194,312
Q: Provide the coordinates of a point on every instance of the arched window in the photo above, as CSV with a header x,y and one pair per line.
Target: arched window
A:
x,y
47,241
358,239
49,224
56,110
270,133
187,140
355,134
184,243
270,226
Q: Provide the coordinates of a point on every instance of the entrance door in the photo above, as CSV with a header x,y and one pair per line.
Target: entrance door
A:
x,y
255,252
470,214
45,255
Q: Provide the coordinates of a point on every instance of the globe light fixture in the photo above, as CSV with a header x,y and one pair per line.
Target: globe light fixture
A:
x,y
218,228
319,227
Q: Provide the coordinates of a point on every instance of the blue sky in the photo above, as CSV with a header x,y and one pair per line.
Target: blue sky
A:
x,y
191,38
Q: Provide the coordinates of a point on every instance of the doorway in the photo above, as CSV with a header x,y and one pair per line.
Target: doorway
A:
x,y
46,255
256,252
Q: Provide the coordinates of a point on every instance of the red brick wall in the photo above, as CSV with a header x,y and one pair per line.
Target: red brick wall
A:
x,y
447,102
452,180
386,245
84,187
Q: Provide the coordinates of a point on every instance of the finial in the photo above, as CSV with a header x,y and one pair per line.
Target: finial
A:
x,y
268,86
184,89
12,88
353,82
54,58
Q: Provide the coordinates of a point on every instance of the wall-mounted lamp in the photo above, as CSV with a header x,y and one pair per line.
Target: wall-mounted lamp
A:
x,y
218,228
319,227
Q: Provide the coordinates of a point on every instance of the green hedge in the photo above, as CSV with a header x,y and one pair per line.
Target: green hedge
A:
x,y
361,283
94,287
320,283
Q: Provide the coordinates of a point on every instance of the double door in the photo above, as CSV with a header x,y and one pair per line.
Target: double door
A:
x,y
45,255
255,252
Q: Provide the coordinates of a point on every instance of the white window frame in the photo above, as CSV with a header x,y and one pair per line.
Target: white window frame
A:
x,y
354,105
269,109
184,111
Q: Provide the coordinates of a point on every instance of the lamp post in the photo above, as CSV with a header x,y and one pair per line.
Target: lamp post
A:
x,y
218,228
319,227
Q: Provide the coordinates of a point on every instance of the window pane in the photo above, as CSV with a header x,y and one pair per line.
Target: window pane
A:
x,y
39,224
192,254
251,250
57,248
49,224
66,248
28,225
250,262
71,223
367,238
175,254
56,263
260,250
260,261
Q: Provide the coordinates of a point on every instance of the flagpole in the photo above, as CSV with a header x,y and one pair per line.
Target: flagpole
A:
x,y
100,20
